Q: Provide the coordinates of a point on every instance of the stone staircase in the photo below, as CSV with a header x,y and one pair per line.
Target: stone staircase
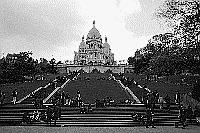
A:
x,y
120,115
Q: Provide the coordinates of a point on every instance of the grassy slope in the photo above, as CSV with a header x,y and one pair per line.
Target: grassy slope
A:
x,y
95,88
23,89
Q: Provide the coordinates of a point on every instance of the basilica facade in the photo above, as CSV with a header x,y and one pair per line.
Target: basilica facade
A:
x,y
92,50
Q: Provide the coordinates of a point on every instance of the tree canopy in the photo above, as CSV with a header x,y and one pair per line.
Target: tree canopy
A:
x,y
177,50
15,67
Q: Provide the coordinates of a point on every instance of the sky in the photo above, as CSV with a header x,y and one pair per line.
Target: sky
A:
x,y
54,28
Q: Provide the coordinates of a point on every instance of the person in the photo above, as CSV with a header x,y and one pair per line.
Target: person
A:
x,y
156,94
196,111
138,118
36,101
149,115
197,114
67,99
78,98
97,103
62,98
111,101
78,95
2,97
25,118
49,115
161,102
148,101
36,115
189,113
182,117
40,102
89,108
144,98
14,94
56,113
55,84
152,100
177,98
167,100
82,109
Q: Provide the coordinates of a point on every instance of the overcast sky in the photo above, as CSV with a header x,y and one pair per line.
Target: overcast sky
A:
x,y
53,28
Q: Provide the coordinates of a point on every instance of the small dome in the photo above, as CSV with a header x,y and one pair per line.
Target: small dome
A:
x,y
106,45
82,45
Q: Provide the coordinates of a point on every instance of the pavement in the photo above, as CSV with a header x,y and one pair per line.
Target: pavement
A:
x,y
159,129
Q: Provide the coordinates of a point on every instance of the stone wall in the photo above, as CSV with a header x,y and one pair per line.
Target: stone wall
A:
x,y
88,69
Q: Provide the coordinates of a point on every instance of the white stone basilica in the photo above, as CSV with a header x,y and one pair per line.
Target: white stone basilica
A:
x,y
94,51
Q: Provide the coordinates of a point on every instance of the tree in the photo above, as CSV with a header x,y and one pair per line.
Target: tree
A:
x,y
183,17
53,68
14,67
131,60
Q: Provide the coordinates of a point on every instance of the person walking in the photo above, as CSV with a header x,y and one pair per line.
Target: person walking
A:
x,y
161,102
152,100
67,99
78,98
177,97
168,101
149,115
49,115
62,98
190,113
2,97
182,117
14,94
156,94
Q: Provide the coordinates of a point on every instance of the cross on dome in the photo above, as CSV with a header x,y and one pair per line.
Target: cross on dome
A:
x,y
94,23
106,39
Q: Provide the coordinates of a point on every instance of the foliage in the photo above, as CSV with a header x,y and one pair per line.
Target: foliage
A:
x,y
17,67
177,51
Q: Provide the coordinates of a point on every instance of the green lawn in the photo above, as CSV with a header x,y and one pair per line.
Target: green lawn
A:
x,y
23,89
167,85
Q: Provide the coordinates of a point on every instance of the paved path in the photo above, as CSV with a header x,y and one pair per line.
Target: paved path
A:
x,y
58,88
35,129
52,93
127,89
32,93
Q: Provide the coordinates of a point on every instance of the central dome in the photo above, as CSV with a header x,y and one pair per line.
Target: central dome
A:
x,y
93,33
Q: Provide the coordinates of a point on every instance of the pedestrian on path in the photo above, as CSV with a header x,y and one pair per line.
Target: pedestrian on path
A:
x,y
2,97
168,101
177,97
67,99
49,115
62,98
14,94
150,121
182,117
161,102
156,96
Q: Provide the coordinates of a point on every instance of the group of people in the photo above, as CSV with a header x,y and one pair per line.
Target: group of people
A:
x,y
149,114
3,96
108,101
150,99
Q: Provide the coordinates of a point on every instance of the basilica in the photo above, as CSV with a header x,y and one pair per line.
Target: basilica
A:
x,y
92,50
